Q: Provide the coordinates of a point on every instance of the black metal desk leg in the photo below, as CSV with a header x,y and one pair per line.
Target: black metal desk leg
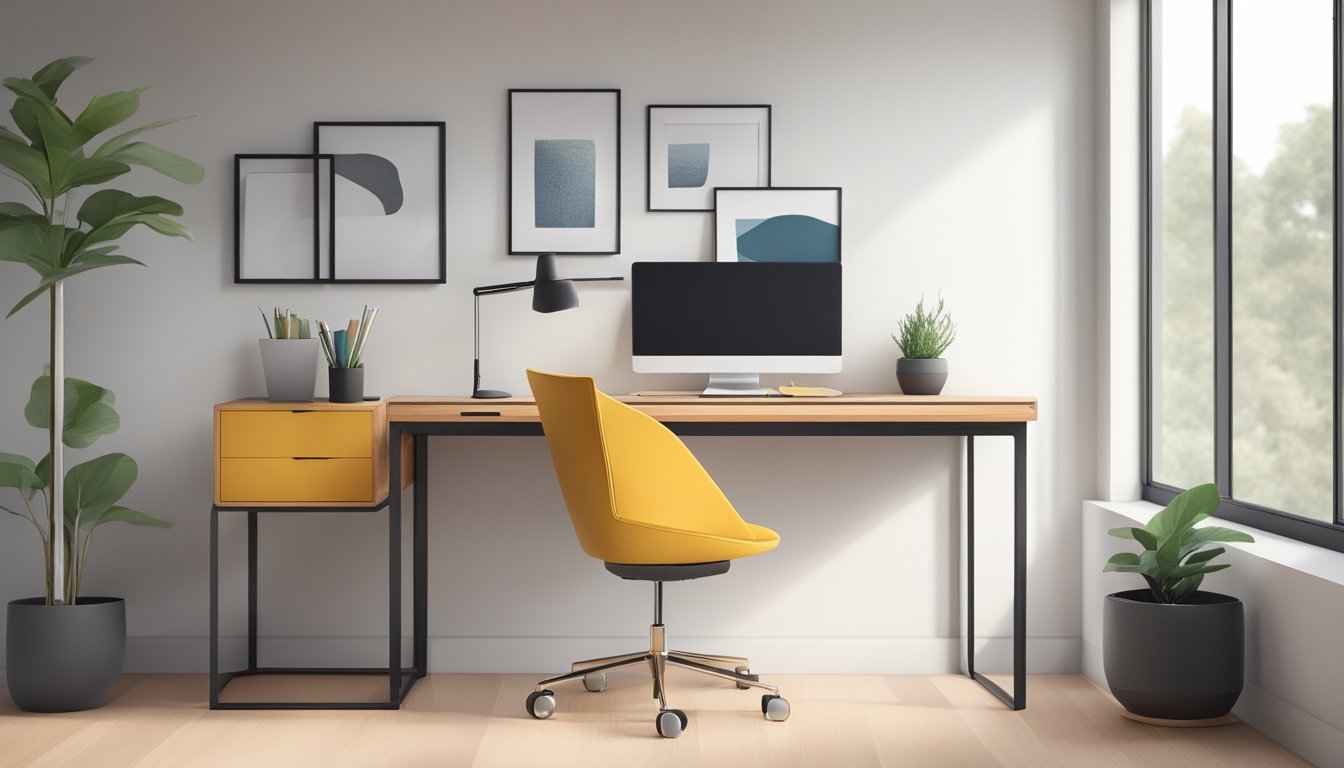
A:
x,y
970,555
420,538
1018,700
1020,567
394,571
251,590
214,607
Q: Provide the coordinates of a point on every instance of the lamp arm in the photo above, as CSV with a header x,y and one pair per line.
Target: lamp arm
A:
x,y
486,290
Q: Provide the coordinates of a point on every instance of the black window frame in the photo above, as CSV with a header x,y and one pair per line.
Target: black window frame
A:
x,y
1329,535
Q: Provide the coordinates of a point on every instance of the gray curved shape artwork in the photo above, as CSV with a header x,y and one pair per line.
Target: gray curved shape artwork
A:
x,y
565,183
687,165
374,173
792,238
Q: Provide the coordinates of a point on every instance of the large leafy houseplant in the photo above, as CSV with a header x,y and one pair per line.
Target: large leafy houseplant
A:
x,y
69,233
1174,560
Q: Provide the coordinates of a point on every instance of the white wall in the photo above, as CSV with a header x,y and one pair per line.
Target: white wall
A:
x,y
963,135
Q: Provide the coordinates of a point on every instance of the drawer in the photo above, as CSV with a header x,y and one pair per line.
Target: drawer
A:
x,y
295,480
327,434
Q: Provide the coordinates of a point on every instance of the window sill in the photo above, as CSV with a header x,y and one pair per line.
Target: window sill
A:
x,y
1304,558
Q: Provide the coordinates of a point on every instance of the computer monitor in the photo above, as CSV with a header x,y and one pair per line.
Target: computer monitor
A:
x,y
736,320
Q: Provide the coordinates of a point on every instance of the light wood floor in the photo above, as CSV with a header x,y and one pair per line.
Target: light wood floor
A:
x,y
449,720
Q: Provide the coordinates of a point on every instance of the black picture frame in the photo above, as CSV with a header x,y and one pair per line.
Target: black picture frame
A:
x,y
649,152
517,249
238,239
442,259
764,193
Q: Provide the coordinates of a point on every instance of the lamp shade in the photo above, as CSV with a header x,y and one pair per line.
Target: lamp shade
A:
x,y
550,294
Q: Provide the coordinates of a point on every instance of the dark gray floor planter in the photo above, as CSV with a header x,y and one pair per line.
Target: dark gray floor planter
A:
x,y
67,657
1178,662
921,377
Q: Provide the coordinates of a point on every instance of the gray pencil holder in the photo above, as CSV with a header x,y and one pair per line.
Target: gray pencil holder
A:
x,y
291,369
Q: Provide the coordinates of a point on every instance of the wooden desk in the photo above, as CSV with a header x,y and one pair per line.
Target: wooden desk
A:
x,y
856,415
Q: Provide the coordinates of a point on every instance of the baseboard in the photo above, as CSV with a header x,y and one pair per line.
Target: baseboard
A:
x,y
839,656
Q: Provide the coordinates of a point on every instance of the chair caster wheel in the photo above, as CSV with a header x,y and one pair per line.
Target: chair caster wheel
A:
x,y
541,704
670,723
744,671
595,682
774,707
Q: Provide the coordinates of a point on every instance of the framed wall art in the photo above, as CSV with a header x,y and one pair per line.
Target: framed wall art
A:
x,y
281,214
564,171
691,149
388,185
789,224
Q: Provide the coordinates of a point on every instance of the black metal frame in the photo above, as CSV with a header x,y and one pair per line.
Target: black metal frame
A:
x,y
443,196
317,218
648,149
400,679
839,212
1317,532
509,150
487,426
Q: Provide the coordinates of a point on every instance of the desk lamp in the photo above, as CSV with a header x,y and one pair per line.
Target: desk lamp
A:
x,y
549,294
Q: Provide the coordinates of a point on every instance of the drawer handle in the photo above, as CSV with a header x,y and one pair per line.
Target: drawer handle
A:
x,y
311,458
480,413
303,410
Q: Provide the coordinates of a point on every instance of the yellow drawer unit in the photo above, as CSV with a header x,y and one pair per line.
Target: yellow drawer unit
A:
x,y
300,454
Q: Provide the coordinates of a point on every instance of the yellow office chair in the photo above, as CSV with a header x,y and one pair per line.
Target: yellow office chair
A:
x,y
641,503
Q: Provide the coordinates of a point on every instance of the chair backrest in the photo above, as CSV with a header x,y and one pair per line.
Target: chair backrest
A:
x,y
618,467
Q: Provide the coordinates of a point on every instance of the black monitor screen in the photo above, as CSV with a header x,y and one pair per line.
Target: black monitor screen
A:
x,y
736,308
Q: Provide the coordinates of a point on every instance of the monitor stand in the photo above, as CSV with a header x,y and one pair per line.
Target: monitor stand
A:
x,y
736,385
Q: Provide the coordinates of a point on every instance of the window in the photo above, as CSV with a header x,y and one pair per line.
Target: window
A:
x,y
1242,351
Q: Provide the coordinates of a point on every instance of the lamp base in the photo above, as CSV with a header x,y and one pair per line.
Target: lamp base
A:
x,y
489,394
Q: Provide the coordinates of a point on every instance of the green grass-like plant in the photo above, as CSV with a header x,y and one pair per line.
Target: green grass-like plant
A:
x,y
1174,561
923,335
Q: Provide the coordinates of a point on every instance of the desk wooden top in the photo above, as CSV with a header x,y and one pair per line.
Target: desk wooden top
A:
x,y
690,407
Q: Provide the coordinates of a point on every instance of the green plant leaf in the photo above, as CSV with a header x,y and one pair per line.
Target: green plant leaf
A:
x,y
1126,562
107,204
31,241
1189,507
68,171
106,111
19,472
119,514
122,139
21,212
45,125
173,166
50,77
1122,533
88,410
1205,556
28,164
84,261
1183,588
43,472
93,487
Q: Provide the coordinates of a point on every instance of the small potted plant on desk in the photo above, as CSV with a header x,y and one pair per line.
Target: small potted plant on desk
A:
x,y
923,337
1173,651
64,650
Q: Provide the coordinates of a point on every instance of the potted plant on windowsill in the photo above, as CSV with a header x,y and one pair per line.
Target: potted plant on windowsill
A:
x,y
1173,651
64,651
923,338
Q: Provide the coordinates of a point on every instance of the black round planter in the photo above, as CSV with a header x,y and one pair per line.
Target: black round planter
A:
x,y
64,658
1178,662
919,376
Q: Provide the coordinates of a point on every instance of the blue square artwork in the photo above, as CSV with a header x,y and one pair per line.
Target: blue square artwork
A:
x,y
565,180
687,165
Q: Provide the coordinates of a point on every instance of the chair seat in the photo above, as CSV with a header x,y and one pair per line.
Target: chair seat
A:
x,y
668,572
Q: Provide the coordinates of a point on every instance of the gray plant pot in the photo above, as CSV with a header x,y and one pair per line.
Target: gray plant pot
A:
x,y
921,377
64,658
291,369
1179,662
